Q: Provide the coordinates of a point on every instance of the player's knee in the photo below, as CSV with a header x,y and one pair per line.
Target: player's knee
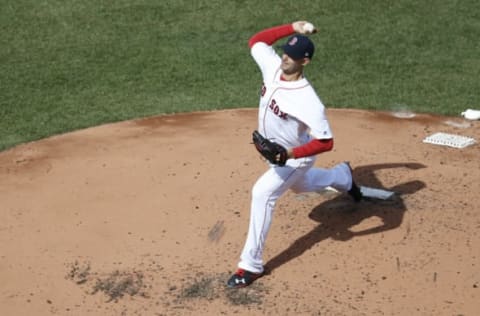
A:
x,y
260,191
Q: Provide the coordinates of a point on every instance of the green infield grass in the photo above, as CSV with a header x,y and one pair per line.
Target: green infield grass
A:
x,y
71,64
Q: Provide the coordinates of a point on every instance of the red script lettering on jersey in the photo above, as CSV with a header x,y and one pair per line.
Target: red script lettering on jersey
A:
x,y
276,110
263,90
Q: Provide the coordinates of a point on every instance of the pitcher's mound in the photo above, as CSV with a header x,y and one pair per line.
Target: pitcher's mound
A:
x,y
148,217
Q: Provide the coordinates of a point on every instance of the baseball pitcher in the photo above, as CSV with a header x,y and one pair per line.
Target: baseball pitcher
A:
x,y
292,129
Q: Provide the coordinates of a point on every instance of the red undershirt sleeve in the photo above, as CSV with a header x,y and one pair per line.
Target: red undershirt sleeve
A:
x,y
271,35
314,147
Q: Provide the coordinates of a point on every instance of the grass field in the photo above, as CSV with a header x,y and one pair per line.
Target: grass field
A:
x,y
67,64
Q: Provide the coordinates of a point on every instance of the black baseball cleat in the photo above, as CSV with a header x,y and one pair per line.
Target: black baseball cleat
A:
x,y
242,278
354,191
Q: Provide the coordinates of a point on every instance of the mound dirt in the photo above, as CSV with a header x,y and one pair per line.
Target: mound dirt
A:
x,y
148,217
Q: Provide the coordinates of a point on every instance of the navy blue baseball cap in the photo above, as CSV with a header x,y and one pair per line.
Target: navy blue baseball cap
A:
x,y
298,47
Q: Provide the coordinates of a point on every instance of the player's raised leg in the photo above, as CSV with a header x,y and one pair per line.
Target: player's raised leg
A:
x,y
339,177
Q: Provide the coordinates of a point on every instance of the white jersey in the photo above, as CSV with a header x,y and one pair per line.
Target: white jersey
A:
x,y
289,111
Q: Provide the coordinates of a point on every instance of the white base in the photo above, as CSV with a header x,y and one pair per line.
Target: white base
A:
x,y
471,114
451,140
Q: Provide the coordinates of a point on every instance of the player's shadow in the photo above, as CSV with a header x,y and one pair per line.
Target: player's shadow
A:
x,y
337,216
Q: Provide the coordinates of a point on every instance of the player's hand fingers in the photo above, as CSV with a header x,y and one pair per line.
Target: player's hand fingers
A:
x,y
298,26
304,27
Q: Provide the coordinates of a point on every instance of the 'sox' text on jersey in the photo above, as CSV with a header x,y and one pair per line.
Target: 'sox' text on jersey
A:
x,y
276,110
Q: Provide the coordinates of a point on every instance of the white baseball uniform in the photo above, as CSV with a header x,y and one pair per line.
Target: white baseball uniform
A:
x,y
290,113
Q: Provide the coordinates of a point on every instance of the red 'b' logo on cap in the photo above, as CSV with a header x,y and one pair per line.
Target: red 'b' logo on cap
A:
x,y
293,41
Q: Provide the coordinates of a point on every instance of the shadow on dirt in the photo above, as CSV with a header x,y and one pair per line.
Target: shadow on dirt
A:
x,y
337,216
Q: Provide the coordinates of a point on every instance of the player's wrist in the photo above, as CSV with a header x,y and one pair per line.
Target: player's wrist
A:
x,y
297,26
304,27
290,154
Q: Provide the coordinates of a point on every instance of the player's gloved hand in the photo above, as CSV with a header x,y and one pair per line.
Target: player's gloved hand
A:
x,y
273,152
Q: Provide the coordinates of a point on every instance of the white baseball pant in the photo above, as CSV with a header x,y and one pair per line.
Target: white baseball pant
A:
x,y
297,175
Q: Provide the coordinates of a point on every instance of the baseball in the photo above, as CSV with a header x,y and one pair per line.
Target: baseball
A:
x,y
308,28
